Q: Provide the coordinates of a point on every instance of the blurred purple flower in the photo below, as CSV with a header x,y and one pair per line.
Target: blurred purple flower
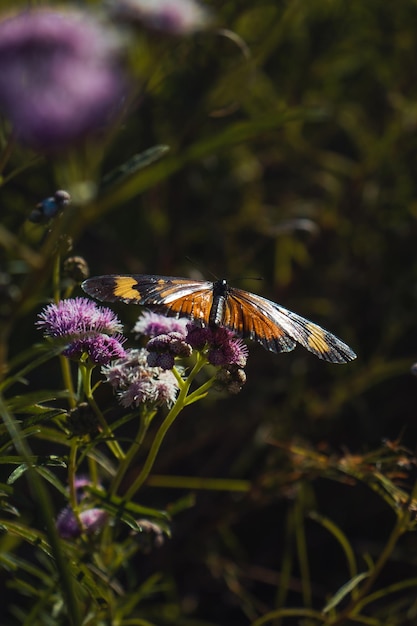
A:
x,y
91,520
152,324
60,77
137,383
77,318
175,17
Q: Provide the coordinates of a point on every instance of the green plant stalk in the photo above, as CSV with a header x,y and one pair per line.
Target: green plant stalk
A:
x,y
86,372
145,421
67,379
342,540
48,516
64,363
180,403
302,551
193,483
394,588
72,473
279,613
286,565
353,608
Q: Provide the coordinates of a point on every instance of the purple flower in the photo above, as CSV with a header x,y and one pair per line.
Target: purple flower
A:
x,y
101,349
225,349
164,348
80,482
91,520
137,383
164,360
60,78
222,348
122,371
152,324
176,17
85,328
198,336
77,318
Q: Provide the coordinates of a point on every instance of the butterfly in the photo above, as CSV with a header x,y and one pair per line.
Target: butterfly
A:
x,y
213,304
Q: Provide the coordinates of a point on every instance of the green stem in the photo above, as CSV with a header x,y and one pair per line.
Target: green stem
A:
x,y
353,608
72,473
165,426
200,392
86,372
67,379
302,551
65,365
145,422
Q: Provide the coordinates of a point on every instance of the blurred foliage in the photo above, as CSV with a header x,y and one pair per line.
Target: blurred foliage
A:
x,y
292,135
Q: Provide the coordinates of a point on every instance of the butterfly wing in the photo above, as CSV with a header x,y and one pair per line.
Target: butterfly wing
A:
x,y
249,319
175,297
277,329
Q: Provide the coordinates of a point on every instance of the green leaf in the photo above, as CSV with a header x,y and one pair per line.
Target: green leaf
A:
x,y
29,535
344,591
134,164
32,402
43,471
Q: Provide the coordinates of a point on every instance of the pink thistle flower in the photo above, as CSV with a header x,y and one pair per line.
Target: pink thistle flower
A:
x,y
225,349
101,349
137,383
77,318
85,328
221,346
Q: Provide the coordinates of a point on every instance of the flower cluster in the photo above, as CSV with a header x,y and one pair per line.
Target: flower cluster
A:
x,y
222,347
60,76
137,383
167,338
84,328
172,338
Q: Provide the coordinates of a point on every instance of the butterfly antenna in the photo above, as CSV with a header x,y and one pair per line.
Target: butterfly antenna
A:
x,y
249,278
198,267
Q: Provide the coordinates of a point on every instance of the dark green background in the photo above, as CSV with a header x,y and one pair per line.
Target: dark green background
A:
x,y
293,142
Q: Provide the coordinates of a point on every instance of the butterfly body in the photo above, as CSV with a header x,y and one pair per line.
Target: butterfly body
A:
x,y
217,310
218,304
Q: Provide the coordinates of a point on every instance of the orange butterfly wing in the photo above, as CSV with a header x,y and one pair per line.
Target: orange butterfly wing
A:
x,y
279,329
248,320
173,296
